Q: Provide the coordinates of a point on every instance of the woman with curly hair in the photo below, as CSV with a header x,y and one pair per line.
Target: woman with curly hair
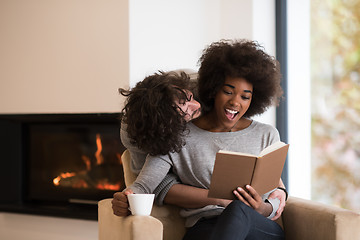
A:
x,y
154,123
156,111
237,80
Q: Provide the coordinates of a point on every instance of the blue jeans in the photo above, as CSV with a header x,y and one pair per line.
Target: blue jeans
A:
x,y
238,221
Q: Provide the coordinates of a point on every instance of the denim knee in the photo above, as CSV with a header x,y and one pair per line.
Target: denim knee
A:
x,y
239,205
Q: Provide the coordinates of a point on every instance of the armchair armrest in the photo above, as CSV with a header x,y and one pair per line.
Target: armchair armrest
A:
x,y
112,227
305,219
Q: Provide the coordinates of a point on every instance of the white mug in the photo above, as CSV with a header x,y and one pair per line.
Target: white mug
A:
x,y
140,204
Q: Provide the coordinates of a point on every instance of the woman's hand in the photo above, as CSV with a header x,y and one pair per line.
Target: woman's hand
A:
x,y
224,202
279,194
254,200
120,204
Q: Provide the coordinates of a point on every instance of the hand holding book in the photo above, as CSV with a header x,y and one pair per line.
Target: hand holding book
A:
x,y
234,169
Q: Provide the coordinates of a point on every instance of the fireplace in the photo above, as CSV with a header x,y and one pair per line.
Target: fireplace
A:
x,y
59,164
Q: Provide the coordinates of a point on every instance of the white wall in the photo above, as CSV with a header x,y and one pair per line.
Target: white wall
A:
x,y
299,107
264,29
168,35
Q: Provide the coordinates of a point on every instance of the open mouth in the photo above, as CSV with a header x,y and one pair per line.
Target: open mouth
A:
x,y
231,114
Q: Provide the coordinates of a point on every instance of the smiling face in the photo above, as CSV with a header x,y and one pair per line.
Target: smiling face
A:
x,y
231,103
190,108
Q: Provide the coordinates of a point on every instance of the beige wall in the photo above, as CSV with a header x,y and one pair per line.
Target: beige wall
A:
x,y
63,56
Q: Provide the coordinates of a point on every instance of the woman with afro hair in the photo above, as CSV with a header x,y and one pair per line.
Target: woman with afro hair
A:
x,y
237,80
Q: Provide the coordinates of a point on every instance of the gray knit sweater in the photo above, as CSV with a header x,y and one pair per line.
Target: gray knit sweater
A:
x,y
194,163
138,157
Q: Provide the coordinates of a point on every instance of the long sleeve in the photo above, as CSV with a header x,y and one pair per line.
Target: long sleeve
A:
x,y
138,156
137,162
152,174
163,188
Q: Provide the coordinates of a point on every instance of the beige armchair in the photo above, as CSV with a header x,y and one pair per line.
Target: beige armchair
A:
x,y
301,220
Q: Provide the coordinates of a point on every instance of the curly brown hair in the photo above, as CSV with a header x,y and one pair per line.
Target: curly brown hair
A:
x,y
239,59
154,122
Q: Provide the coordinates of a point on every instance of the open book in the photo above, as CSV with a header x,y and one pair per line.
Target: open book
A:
x,y
235,169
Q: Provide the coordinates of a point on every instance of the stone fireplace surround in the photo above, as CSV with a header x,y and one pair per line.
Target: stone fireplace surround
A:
x,y
14,197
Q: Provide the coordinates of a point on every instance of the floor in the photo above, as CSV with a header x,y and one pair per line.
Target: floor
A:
x,y
30,227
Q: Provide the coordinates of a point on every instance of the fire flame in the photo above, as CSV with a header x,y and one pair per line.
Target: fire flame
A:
x,y
108,186
56,180
98,155
102,184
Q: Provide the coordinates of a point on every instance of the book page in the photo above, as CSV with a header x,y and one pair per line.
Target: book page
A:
x,y
268,170
265,151
271,148
237,153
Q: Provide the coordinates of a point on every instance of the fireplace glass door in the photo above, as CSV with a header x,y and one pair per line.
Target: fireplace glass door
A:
x,y
73,162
